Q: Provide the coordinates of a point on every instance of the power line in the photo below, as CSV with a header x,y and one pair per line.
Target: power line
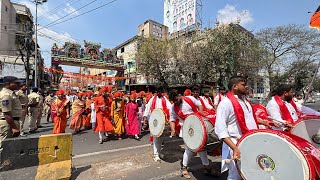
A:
x,y
55,9
82,13
48,25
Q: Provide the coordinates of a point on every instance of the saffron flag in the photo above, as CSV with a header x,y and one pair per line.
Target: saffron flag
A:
x,y
315,19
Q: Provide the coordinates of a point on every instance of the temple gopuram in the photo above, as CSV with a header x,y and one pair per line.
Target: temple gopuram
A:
x,y
90,56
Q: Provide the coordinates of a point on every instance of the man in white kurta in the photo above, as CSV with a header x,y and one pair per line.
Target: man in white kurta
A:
x,y
219,97
206,105
285,93
227,127
157,141
186,109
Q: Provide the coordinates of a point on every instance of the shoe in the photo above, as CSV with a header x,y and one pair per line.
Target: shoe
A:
x,y
185,173
100,141
156,159
40,126
23,134
32,131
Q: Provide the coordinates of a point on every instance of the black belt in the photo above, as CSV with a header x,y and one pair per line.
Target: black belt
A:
x,y
14,118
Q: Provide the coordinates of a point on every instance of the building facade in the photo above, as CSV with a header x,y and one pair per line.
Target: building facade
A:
x,y
153,28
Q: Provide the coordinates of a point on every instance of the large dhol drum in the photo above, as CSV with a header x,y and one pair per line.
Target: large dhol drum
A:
x,y
198,134
268,155
157,122
308,129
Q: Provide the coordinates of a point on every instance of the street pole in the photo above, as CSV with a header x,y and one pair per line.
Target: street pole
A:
x,y
36,49
311,83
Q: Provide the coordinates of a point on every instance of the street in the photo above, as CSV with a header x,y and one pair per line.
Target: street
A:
x,y
126,158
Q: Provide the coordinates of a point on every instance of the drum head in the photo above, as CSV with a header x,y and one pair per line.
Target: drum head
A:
x,y
157,122
194,133
308,130
268,156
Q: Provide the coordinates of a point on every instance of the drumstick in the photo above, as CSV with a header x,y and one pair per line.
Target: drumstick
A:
x,y
228,161
275,120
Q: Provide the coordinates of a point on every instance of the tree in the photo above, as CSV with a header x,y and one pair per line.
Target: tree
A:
x,y
287,51
153,58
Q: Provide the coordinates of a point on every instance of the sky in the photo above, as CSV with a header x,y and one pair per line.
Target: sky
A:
x,y
118,21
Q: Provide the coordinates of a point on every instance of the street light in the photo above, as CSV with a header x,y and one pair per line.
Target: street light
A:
x,y
37,2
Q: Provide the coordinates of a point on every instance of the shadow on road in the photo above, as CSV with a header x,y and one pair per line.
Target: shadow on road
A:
x,y
77,171
173,152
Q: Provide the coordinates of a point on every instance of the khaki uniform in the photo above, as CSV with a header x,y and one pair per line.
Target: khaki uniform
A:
x,y
40,110
24,103
47,107
33,103
9,102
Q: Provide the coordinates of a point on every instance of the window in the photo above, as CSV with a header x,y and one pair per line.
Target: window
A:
x,y
5,27
6,8
160,28
142,33
154,26
122,50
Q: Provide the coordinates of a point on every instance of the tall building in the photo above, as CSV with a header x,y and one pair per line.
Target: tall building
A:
x,y
152,28
16,23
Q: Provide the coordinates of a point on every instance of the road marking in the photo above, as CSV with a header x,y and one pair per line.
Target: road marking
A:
x,y
120,149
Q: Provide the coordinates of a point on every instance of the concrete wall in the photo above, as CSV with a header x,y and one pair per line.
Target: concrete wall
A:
x,y
152,28
7,28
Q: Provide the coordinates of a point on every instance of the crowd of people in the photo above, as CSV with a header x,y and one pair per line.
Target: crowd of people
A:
x,y
108,111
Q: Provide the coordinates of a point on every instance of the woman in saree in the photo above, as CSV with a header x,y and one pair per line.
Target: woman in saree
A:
x,y
87,117
117,111
60,112
132,124
78,107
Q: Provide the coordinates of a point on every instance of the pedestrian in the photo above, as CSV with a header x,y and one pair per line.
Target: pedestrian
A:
x,y
11,109
140,113
103,124
60,112
41,105
78,107
24,102
157,101
47,103
132,124
33,103
117,111
235,117
86,119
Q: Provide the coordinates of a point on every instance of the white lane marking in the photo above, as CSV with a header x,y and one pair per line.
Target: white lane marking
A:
x,y
118,150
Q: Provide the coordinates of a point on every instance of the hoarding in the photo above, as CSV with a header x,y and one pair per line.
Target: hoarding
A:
x,y
179,14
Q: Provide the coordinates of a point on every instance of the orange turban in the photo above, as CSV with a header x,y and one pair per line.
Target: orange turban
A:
x,y
60,92
134,96
117,94
80,94
142,93
187,92
102,90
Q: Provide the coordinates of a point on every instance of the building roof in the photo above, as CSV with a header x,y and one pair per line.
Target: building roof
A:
x,y
126,42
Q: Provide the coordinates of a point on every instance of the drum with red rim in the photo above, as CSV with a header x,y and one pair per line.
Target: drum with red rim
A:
x,y
308,129
157,122
267,154
198,134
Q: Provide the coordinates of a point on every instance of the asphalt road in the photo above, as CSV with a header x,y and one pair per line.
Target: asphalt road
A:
x,y
129,158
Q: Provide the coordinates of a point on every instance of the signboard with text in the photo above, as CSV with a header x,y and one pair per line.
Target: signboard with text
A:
x,y
179,14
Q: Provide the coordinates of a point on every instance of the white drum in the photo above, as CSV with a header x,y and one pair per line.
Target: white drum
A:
x,y
308,129
268,155
157,122
198,134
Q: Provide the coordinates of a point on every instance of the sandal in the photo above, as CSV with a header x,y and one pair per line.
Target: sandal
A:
x,y
185,173
100,141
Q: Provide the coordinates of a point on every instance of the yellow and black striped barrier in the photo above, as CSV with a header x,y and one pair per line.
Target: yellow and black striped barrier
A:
x,y
52,154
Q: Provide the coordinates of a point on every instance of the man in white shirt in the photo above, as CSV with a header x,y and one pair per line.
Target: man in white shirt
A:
x,y
204,102
221,95
157,142
179,111
283,110
227,124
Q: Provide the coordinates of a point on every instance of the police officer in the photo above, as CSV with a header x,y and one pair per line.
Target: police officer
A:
x,y
33,103
40,109
10,108
24,103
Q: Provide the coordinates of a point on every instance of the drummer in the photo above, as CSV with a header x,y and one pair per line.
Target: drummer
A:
x,y
283,110
157,101
234,118
204,101
182,107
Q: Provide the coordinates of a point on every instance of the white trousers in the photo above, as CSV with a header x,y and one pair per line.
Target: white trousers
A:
x,y
227,153
188,154
157,142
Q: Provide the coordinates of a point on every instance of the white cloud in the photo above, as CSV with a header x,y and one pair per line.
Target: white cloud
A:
x,y
229,14
69,9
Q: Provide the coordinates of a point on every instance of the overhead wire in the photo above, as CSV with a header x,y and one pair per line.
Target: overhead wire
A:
x,y
52,11
76,10
110,2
